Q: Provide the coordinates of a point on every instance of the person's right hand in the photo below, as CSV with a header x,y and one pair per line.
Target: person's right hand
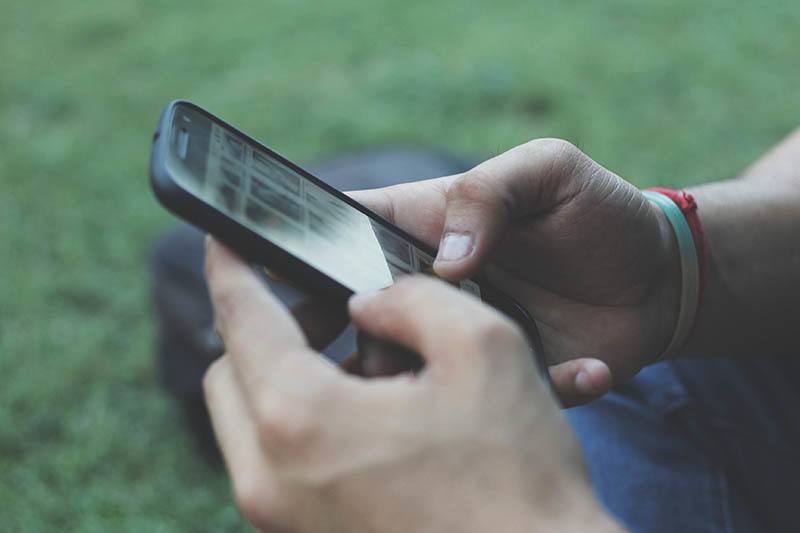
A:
x,y
474,442
592,260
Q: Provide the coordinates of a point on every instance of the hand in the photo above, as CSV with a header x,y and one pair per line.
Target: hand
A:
x,y
473,443
590,258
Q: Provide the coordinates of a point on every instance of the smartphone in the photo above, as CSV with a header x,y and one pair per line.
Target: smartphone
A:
x,y
278,215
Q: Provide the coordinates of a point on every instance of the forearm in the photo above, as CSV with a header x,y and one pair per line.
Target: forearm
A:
x,y
752,279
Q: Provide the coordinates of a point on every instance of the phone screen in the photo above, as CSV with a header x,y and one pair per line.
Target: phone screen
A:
x,y
248,184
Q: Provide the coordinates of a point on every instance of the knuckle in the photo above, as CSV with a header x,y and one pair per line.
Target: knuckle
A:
x,y
486,191
474,186
287,423
561,170
555,148
561,154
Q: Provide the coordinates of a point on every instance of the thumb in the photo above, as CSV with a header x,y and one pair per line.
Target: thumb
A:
x,y
580,381
526,180
476,214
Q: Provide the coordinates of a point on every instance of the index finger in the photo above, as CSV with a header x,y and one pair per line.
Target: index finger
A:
x,y
260,335
442,324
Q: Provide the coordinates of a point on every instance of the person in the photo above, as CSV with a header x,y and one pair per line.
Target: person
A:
x,y
476,441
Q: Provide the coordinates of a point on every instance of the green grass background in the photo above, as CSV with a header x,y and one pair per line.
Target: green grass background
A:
x,y
669,92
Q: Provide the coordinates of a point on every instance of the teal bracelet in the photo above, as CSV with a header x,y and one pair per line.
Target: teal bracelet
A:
x,y
690,270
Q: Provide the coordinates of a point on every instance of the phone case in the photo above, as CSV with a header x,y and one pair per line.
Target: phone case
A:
x,y
259,250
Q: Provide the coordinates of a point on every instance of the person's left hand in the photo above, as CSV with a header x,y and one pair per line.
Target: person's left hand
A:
x,y
474,442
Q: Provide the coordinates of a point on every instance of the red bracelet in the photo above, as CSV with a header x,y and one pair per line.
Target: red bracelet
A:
x,y
688,207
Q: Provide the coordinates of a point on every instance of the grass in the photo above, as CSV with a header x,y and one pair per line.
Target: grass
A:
x,y
662,92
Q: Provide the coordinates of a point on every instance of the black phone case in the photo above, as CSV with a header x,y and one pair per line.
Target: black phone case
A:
x,y
259,250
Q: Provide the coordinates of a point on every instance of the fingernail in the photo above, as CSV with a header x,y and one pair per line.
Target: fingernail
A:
x,y
361,299
583,383
455,246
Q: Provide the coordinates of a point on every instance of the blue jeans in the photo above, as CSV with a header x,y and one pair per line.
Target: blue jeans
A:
x,y
700,445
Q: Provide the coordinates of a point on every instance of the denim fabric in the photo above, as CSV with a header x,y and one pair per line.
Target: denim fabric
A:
x,y
698,446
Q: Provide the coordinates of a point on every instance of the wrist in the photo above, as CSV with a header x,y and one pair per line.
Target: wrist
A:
x,y
571,509
580,517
